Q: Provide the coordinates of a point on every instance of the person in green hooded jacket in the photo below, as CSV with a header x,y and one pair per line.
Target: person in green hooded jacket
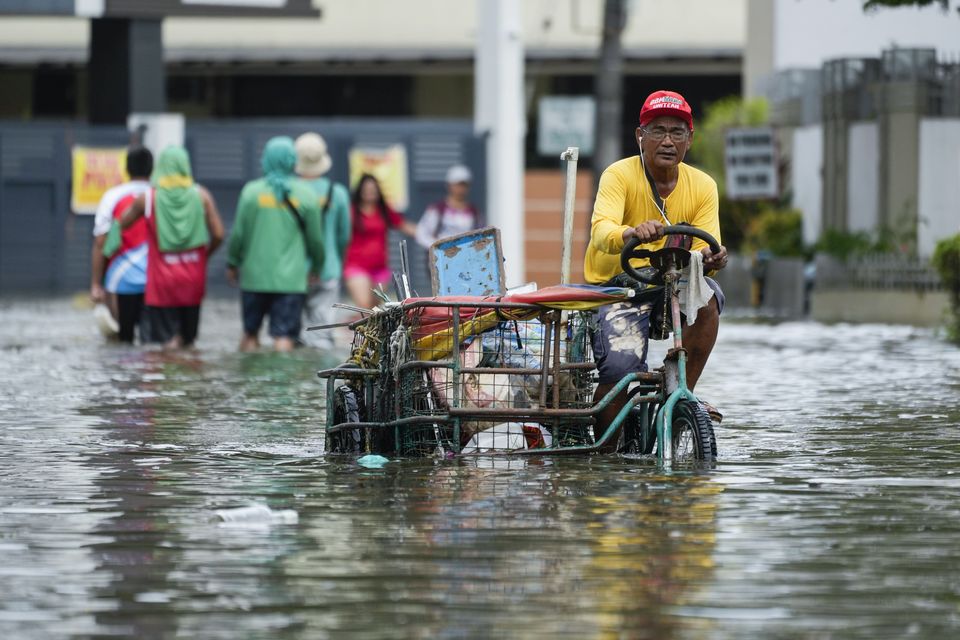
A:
x,y
275,248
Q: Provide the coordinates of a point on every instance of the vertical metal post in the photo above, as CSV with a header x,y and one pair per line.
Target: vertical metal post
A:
x,y
570,156
405,270
545,365
555,320
455,374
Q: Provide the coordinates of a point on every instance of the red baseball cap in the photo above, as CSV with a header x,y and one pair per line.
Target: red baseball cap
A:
x,y
666,103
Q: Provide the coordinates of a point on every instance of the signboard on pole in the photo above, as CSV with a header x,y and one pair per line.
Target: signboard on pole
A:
x,y
750,160
157,131
565,121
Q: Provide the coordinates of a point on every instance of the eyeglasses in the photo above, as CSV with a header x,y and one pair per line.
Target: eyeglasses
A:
x,y
677,134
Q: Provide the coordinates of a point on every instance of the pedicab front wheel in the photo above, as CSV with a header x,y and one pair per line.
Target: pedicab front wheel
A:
x,y
692,432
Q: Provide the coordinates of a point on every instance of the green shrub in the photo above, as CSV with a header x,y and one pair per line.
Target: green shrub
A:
x,y
946,260
779,231
847,244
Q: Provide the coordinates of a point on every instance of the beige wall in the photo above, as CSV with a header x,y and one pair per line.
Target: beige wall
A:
x,y
353,28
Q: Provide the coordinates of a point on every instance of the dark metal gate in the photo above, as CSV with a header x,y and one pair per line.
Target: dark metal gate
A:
x,y
44,248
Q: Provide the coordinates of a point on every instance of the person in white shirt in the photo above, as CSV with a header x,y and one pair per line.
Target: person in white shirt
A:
x,y
452,215
118,269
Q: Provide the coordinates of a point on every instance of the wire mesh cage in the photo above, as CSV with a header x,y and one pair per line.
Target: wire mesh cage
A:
x,y
448,376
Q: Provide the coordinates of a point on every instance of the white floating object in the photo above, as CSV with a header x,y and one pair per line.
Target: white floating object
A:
x,y
256,515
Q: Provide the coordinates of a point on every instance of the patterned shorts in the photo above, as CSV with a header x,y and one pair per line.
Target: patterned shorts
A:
x,y
623,331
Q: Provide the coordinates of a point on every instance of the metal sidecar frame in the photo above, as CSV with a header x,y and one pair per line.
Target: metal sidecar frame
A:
x,y
407,391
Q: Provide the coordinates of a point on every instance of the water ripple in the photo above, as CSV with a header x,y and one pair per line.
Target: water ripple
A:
x,y
833,512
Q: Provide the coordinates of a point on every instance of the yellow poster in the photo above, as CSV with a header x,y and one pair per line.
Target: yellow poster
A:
x,y
389,166
96,169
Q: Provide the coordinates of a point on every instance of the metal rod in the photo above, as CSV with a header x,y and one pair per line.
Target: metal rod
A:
x,y
485,413
556,361
347,372
405,269
520,371
318,327
597,446
545,364
386,425
398,285
483,304
350,307
455,374
570,156
618,388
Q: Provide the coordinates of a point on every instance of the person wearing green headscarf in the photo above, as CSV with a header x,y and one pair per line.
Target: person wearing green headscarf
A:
x,y
275,247
183,229
181,223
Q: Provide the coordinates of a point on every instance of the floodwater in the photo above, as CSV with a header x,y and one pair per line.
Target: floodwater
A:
x,y
834,511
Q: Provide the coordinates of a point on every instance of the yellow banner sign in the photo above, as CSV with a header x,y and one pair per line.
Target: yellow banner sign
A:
x,y
96,169
389,166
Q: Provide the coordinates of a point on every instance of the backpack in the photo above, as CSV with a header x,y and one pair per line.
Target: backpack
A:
x,y
299,218
441,207
326,205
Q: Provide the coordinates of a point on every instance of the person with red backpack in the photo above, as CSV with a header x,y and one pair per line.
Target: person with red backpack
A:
x,y
118,273
452,215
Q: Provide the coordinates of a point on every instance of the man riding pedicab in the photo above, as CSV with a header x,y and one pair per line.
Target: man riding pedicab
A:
x,y
637,197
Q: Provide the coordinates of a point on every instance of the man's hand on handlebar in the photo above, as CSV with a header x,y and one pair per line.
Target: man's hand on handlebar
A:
x,y
714,261
645,232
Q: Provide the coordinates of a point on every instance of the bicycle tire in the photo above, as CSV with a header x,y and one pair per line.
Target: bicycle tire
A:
x,y
347,407
692,432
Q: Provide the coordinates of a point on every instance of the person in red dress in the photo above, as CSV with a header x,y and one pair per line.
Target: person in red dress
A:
x,y
366,263
183,229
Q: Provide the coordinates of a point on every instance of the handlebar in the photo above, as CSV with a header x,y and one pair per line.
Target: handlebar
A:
x,y
631,252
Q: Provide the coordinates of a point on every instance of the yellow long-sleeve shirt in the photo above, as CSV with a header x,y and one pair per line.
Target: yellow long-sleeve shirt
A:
x,y
624,200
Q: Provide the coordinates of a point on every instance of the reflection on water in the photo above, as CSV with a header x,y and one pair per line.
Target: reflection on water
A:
x,y
833,512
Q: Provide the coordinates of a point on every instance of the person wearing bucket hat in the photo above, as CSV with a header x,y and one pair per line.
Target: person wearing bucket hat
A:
x,y
313,159
452,215
313,162
637,197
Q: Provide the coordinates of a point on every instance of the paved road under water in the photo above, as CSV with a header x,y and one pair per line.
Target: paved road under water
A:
x,y
833,513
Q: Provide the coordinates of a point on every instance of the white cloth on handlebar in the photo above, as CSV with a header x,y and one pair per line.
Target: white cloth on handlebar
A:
x,y
695,293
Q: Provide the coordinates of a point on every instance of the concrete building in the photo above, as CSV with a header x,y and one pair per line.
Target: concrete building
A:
x,y
868,106
299,63
362,57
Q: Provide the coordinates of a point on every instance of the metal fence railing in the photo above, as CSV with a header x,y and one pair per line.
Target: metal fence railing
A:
x,y
878,271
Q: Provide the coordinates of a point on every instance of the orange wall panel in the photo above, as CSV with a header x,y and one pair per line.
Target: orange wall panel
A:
x,y
543,224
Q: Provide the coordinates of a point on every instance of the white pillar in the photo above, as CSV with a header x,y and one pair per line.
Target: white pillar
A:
x,y
499,114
